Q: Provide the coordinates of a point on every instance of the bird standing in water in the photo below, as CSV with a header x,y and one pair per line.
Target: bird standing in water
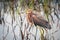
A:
x,y
34,19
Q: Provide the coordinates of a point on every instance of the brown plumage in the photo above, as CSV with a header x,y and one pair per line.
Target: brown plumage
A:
x,y
33,19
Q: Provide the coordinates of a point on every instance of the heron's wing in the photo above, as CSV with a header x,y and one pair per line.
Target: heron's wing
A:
x,y
41,22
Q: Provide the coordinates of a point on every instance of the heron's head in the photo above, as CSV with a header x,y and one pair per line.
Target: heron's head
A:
x,y
29,11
